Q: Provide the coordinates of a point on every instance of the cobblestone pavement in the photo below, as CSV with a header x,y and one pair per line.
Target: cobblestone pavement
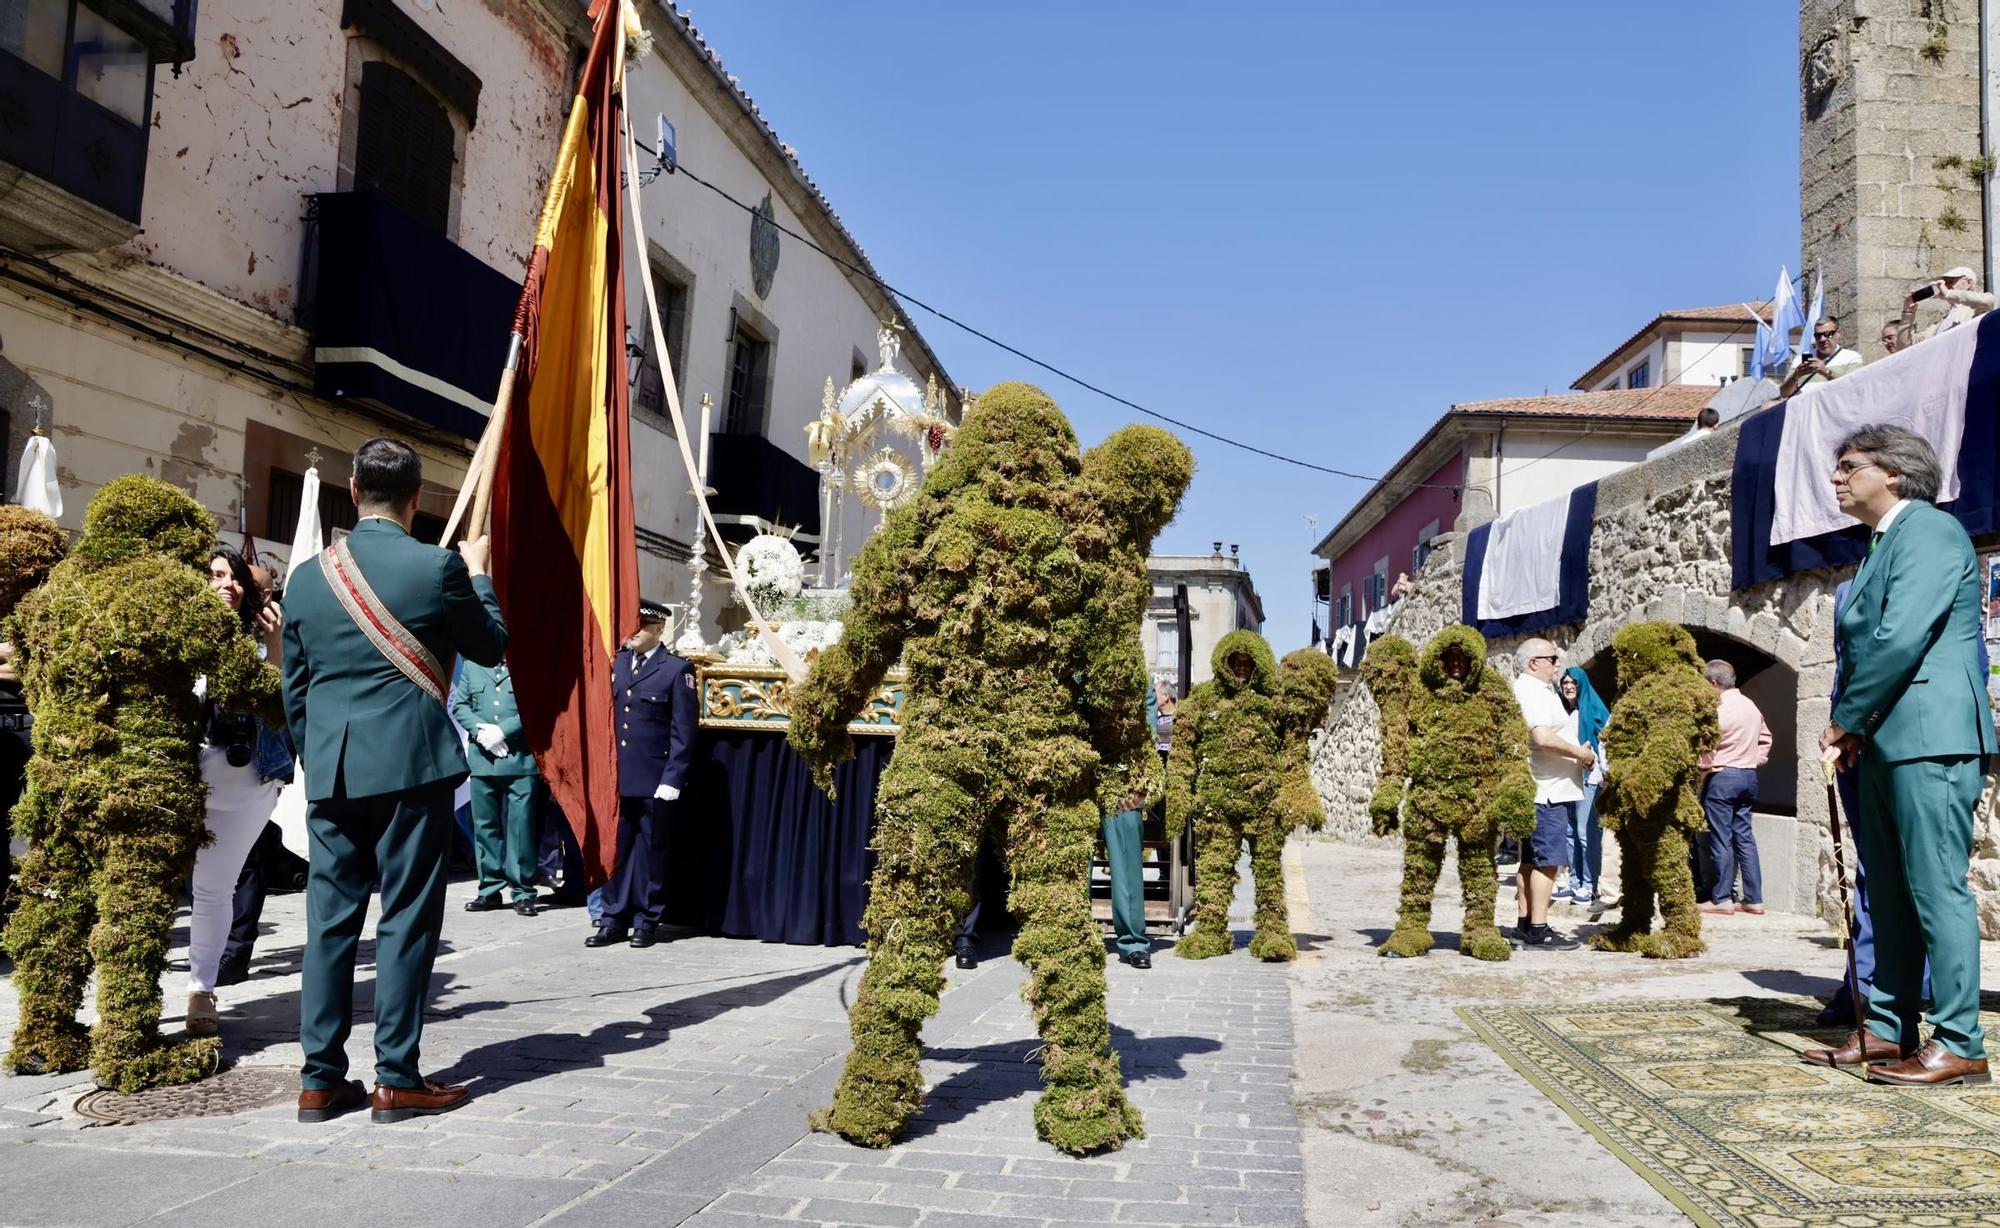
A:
x,y
1409,1119
672,1085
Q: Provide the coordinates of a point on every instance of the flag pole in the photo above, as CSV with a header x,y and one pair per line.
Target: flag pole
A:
x,y
477,490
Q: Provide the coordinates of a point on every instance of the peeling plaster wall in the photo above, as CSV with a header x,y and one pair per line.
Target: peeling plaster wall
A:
x,y
1661,551
254,124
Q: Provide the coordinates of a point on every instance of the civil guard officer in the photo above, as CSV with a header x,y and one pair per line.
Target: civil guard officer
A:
x,y
654,691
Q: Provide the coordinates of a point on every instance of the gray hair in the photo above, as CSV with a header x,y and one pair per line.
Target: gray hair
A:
x,y
1902,452
1722,673
1529,649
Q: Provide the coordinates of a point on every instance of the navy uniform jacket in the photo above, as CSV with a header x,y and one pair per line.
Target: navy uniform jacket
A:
x,y
656,720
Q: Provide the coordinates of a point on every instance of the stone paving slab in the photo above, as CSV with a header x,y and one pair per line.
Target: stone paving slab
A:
x,y
672,1085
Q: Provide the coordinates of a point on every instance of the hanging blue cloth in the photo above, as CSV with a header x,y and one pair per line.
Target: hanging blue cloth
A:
x,y
1591,714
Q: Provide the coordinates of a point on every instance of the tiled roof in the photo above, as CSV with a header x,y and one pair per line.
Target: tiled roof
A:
x,y
1731,314
1670,402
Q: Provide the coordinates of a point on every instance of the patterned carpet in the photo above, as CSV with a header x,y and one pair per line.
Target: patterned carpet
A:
x,y
1708,1101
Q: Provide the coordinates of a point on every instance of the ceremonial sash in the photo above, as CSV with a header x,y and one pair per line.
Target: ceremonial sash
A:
x,y
391,638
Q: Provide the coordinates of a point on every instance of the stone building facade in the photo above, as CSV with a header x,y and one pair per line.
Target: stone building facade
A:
x,y
1661,551
1889,183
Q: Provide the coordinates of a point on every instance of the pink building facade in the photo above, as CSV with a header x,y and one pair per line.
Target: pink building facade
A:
x,y
1359,577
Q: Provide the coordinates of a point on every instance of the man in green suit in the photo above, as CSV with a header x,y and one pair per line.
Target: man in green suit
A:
x,y
506,789
370,631
1913,709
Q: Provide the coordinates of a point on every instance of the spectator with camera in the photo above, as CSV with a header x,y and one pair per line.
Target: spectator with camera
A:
x,y
1965,302
1828,360
242,771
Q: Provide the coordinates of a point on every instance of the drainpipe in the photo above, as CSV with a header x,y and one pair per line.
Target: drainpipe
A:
x,y
1989,114
1499,456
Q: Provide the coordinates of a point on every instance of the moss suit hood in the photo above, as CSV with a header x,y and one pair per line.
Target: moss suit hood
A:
x,y
1263,668
1432,670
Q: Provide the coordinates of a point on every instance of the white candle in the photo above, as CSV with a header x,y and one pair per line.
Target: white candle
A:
x,y
706,407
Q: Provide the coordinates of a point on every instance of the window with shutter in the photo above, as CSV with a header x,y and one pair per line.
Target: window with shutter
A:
x,y
749,366
405,151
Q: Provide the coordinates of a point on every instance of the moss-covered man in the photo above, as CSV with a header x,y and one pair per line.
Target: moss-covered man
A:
x,y
1662,723
1456,735
1235,770
108,652
1001,589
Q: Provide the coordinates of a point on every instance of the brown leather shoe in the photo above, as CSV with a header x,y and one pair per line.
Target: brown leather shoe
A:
x,y
1851,1052
1933,1065
400,1103
327,1103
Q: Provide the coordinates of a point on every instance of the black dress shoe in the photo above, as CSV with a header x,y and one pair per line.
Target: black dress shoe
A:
x,y
527,908
485,903
232,972
964,958
606,936
643,936
1137,959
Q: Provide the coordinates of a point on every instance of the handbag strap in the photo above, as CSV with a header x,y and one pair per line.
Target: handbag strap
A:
x,y
390,637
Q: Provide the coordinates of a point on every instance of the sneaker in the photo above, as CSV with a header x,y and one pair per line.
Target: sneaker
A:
x,y
1562,894
1755,910
1547,939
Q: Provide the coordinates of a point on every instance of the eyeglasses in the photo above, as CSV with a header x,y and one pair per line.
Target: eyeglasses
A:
x,y
1551,657
1848,469
1827,336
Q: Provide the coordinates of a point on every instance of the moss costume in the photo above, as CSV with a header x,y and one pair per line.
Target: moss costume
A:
x,y
1464,748
1237,767
1011,588
31,544
109,651
1662,723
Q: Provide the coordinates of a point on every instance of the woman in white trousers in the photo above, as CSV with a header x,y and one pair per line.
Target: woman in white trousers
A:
x,y
240,800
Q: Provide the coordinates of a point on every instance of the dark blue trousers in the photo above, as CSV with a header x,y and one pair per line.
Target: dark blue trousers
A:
x,y
636,895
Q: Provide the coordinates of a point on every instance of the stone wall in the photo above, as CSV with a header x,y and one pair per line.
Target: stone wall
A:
x,y
1888,88
1661,551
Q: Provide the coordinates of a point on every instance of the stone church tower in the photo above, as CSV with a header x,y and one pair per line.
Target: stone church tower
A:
x,y
1889,152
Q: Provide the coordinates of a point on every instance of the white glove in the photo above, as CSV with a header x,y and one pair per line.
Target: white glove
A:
x,y
667,793
491,740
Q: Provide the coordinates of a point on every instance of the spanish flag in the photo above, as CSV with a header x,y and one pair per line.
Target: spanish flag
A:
x,y
566,566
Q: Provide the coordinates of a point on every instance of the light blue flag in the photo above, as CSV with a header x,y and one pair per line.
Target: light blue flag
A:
x,y
1786,315
1757,351
1814,312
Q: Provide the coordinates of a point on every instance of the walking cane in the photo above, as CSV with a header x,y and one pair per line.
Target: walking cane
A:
x,y
1846,903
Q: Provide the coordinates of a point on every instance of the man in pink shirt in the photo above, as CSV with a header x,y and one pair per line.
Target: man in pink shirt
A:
x,y
1730,793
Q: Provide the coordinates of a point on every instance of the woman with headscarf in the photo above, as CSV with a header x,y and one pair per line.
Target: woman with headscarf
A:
x,y
242,792
1586,835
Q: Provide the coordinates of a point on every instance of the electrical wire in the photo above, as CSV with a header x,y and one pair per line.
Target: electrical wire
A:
x,y
859,271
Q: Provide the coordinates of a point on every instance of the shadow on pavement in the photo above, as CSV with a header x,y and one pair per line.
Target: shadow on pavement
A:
x,y
524,1059
1004,1071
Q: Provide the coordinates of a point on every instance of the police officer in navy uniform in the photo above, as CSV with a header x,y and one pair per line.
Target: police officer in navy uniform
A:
x,y
654,692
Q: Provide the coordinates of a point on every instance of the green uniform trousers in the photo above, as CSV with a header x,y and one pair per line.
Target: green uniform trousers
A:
x,y
1915,832
399,840
1124,834
505,833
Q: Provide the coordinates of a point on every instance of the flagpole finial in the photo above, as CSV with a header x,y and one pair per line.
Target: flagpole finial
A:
x,y
312,456
40,407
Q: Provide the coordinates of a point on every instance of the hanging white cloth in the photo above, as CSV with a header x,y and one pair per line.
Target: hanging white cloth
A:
x,y
1343,646
307,541
38,488
1523,571
1922,388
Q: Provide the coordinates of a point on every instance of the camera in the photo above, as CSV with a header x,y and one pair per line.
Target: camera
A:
x,y
236,734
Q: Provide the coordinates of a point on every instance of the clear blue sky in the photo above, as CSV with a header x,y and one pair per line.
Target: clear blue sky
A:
x,y
1310,225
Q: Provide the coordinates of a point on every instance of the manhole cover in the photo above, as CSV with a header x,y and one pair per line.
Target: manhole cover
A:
x,y
238,1090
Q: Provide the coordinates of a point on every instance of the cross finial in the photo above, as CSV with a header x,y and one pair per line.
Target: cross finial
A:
x,y
312,456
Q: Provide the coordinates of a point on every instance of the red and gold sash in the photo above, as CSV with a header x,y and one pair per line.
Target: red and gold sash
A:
x,y
393,640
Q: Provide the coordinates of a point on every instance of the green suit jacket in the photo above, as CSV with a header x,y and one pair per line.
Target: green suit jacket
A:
x,y
486,697
1909,673
361,727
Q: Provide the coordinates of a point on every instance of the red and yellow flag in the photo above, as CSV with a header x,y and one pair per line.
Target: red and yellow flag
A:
x,y
564,557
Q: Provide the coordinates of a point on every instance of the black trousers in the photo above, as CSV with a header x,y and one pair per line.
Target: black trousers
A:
x,y
636,895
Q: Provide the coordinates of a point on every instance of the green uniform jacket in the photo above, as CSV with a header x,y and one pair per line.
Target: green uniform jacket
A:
x,y
486,697
361,727
1909,675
